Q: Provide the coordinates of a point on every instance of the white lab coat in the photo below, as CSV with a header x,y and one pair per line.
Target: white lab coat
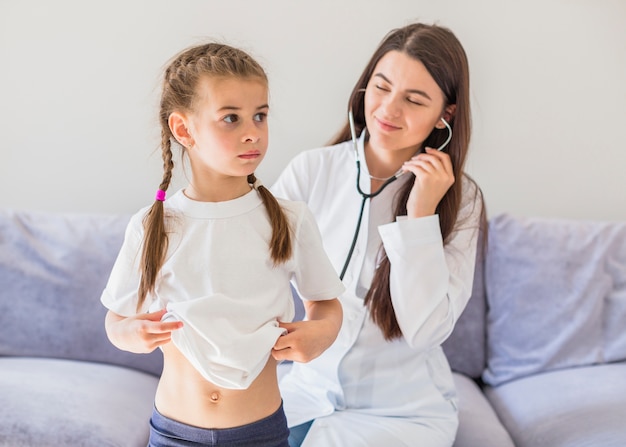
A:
x,y
363,390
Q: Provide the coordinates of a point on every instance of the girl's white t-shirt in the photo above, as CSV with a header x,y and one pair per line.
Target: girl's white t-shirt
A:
x,y
219,279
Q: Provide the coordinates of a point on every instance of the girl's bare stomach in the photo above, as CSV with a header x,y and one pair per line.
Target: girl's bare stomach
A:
x,y
187,397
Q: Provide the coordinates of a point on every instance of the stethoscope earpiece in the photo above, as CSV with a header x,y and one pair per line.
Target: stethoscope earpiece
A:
x,y
445,143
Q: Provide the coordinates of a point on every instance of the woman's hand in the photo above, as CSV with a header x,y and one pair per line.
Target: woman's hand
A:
x,y
433,177
141,333
306,340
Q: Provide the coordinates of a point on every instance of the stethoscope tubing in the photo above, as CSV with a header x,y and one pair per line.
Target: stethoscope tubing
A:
x,y
366,196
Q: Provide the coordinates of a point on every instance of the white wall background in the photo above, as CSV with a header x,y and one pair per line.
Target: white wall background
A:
x,y
79,88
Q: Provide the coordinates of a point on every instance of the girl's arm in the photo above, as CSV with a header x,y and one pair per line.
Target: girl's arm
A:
x,y
306,340
141,333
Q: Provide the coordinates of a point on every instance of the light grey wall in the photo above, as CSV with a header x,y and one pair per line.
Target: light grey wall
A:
x,y
79,87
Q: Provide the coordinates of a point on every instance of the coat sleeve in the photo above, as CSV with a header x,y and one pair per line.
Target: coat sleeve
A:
x,y
430,282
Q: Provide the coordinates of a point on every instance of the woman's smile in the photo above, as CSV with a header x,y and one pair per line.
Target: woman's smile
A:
x,y
386,125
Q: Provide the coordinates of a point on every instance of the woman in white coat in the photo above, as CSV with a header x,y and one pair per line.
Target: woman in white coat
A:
x,y
386,381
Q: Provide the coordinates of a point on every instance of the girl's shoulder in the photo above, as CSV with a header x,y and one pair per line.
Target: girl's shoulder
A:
x,y
170,209
298,213
135,224
294,209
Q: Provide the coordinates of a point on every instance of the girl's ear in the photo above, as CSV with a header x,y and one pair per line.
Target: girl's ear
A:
x,y
179,127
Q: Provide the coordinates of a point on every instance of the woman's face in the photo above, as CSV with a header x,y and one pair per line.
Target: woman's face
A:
x,y
403,103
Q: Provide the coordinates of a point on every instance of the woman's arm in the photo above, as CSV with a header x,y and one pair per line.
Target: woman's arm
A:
x,y
431,282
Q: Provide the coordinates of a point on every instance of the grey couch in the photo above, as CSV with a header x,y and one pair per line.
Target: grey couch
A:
x,y
62,383
539,353
543,338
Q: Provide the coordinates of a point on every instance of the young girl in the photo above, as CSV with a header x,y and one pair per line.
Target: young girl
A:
x,y
209,268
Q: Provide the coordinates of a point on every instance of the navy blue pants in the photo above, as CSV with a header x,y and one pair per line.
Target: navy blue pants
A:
x,y
271,431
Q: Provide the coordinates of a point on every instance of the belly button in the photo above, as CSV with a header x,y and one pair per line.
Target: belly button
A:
x,y
215,397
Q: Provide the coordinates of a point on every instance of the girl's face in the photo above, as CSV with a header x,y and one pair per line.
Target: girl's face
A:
x,y
403,103
228,127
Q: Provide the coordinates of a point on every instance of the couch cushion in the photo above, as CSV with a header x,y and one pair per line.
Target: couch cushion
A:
x,y
556,292
50,402
478,423
577,407
53,268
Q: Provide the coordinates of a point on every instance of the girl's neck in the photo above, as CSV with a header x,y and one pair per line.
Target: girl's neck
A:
x,y
218,191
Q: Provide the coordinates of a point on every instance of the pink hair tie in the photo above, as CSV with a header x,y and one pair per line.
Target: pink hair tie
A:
x,y
160,195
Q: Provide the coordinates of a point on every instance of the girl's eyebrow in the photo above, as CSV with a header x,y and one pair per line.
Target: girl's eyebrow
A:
x,y
416,91
221,109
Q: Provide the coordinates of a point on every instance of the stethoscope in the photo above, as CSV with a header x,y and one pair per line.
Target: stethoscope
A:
x,y
366,196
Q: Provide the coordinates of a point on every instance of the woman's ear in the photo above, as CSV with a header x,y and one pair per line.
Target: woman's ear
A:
x,y
448,114
179,127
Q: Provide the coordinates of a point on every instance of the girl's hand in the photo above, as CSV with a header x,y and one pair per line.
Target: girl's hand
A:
x,y
304,340
141,333
433,177
307,340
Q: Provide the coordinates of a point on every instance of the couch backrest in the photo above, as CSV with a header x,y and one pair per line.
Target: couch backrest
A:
x,y
53,268
556,293
550,294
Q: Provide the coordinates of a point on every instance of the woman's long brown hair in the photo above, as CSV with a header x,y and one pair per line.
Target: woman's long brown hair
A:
x,y
444,57
180,82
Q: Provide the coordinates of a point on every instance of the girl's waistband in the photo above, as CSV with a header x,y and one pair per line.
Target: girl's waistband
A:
x,y
271,431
